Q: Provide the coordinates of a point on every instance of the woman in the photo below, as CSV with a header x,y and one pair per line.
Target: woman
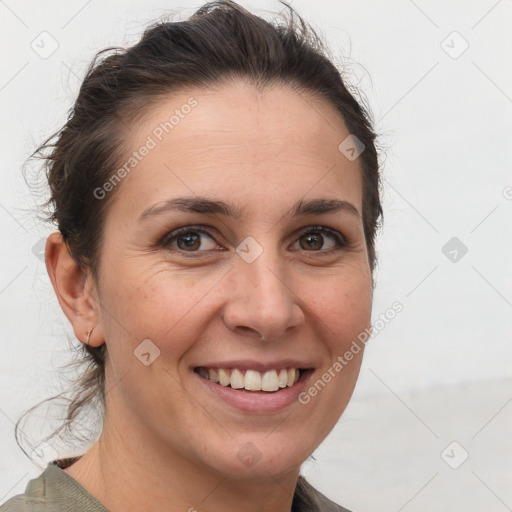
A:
x,y
216,191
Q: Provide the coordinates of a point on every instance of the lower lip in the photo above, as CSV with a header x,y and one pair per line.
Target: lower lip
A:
x,y
258,402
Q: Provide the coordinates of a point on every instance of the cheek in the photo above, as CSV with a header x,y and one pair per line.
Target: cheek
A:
x,y
154,300
343,312
342,304
172,307
142,304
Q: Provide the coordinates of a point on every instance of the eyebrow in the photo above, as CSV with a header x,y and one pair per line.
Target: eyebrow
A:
x,y
212,206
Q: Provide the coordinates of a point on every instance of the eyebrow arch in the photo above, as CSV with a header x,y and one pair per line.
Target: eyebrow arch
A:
x,y
212,206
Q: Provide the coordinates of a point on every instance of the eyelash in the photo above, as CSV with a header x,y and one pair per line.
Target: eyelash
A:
x,y
167,239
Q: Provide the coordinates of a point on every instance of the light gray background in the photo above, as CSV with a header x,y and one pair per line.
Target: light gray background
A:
x,y
441,370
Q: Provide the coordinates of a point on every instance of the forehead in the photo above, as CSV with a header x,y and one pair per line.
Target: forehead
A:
x,y
238,140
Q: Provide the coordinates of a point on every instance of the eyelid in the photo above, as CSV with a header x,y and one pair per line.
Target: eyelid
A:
x,y
174,233
165,241
326,230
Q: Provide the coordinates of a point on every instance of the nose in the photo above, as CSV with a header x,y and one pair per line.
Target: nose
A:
x,y
262,303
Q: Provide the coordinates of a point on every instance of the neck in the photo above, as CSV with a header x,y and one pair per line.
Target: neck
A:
x,y
126,478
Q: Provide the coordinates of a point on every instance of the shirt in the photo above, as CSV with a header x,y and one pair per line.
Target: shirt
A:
x,y
56,491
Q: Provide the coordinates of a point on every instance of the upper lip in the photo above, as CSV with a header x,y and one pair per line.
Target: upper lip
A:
x,y
260,366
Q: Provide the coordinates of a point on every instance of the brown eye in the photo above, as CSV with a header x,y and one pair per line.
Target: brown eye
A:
x,y
187,240
190,240
313,240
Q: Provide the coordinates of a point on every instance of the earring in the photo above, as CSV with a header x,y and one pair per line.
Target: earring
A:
x,y
88,333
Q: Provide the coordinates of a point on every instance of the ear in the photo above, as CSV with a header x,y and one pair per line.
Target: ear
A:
x,y
75,290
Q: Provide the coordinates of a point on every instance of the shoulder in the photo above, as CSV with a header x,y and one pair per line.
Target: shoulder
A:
x,y
35,497
53,491
16,504
307,498
32,500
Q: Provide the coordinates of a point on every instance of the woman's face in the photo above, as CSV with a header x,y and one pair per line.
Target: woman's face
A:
x,y
174,310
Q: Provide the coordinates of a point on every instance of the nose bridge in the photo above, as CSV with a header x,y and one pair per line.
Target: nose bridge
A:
x,y
263,265
263,300
268,279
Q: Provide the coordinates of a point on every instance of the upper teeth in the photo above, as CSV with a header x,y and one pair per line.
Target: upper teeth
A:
x,y
252,380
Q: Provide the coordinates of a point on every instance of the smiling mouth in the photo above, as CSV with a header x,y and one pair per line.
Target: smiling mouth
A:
x,y
252,380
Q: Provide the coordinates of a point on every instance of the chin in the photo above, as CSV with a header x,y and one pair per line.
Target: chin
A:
x,y
256,456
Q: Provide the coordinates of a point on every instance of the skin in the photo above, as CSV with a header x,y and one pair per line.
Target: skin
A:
x,y
265,150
